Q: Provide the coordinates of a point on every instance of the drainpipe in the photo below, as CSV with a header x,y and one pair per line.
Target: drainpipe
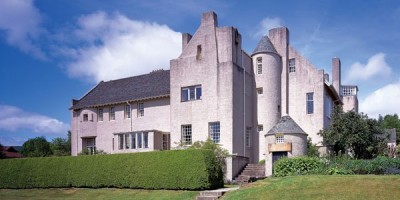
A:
x,y
244,105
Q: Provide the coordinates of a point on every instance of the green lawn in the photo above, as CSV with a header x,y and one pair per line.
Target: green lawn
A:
x,y
321,187
104,193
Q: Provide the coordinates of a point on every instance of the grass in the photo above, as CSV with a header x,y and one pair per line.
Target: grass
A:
x,y
104,193
321,187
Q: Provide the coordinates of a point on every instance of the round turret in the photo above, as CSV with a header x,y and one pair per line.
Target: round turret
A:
x,y
267,65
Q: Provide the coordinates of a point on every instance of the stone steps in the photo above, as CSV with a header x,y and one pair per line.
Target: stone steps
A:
x,y
209,195
251,173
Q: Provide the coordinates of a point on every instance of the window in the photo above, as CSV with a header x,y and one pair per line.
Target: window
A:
x,y
260,127
214,131
310,103
191,93
259,65
140,109
126,137
85,117
248,136
100,114
127,111
198,55
145,140
259,90
112,113
166,141
139,140
89,144
292,65
349,90
133,141
279,138
187,134
121,141
328,106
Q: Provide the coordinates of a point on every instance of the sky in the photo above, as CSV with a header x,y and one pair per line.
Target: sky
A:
x,y
53,51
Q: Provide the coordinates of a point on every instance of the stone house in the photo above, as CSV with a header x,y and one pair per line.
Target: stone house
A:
x,y
216,90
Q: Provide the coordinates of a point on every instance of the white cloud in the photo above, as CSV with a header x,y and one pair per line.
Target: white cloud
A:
x,y
382,101
375,67
14,119
115,46
20,21
266,24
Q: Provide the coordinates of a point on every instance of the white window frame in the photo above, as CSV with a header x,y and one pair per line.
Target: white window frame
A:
x,y
85,117
279,138
140,109
127,111
214,131
112,113
89,144
292,65
259,65
100,116
260,127
192,93
310,103
186,134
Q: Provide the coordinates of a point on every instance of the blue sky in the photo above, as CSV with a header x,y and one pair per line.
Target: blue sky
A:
x,y
53,51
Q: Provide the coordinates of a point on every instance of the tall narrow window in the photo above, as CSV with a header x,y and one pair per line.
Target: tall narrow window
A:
x,y
127,111
310,102
292,65
100,114
187,134
140,109
145,140
120,141
198,54
139,140
214,131
112,113
89,144
191,93
133,140
248,136
85,117
259,65
127,142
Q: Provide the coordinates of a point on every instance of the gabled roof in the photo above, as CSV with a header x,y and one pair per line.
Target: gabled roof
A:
x,y
153,85
286,125
264,46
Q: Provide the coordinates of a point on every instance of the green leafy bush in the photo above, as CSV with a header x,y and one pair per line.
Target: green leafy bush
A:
x,y
297,166
379,165
180,169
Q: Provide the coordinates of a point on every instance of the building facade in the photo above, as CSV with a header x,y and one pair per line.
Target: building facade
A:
x,y
215,90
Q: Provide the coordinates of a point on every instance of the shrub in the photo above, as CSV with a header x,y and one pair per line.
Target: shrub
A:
x,y
181,169
297,166
379,165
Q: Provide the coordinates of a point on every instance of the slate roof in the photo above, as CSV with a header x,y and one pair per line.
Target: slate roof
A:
x,y
153,85
286,125
264,46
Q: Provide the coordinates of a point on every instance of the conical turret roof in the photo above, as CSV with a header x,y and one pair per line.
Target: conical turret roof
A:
x,y
264,46
286,125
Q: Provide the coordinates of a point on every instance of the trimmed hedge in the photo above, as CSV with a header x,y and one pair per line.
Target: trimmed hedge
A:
x,y
297,166
178,169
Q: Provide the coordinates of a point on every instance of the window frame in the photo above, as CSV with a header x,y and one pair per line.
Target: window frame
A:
x,y
259,65
128,112
310,103
260,128
186,134
192,93
140,109
100,114
111,113
85,117
214,131
279,138
260,90
292,65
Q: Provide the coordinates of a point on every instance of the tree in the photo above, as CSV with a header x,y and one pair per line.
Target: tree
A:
x,y
353,133
61,146
1,152
389,122
36,147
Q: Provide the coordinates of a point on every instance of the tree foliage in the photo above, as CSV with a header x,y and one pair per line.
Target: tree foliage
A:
x,y
354,133
61,146
1,152
36,147
390,122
